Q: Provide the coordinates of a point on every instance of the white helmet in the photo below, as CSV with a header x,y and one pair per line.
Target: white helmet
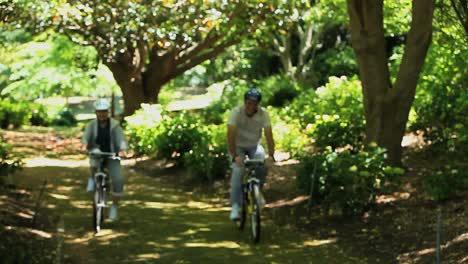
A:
x,y
101,104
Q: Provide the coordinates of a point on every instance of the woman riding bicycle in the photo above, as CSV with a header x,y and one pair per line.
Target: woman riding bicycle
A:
x,y
245,125
107,135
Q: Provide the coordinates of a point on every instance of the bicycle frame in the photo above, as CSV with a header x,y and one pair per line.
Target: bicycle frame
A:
x,y
101,187
251,196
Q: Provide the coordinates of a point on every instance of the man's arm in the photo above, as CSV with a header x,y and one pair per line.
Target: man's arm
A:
x,y
231,135
270,142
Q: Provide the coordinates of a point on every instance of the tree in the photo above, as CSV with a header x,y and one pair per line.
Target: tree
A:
x,y
386,103
300,35
147,43
461,11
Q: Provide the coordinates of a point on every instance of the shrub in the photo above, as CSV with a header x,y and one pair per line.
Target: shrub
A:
x,y
65,117
15,114
346,182
445,182
208,159
332,115
288,133
278,90
39,115
142,129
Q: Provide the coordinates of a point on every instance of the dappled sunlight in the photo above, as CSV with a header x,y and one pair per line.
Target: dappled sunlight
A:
x,y
105,236
37,232
159,205
198,205
284,202
48,162
153,205
66,188
161,245
314,243
23,215
147,256
222,244
81,240
81,204
173,238
218,209
396,196
419,253
59,196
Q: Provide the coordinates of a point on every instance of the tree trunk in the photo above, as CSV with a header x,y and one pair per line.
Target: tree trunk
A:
x,y
386,107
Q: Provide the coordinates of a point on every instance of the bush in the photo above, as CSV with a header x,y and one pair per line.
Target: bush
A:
x,y
278,90
445,183
65,117
142,129
345,182
208,159
332,115
15,114
178,135
181,137
288,133
39,115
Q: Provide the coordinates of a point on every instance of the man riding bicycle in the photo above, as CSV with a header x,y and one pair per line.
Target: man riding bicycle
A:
x,y
245,125
105,134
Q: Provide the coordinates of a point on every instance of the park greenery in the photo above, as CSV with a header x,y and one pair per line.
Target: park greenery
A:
x,y
340,101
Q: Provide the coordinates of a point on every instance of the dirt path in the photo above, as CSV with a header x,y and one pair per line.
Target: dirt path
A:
x,y
159,223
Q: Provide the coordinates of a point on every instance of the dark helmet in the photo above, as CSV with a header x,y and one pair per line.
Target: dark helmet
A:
x,y
253,94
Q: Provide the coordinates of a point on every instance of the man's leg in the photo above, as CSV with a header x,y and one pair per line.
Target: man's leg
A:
x,y
261,171
115,172
259,153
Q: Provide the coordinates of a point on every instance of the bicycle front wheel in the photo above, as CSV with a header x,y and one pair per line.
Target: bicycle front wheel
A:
x,y
98,207
241,222
255,215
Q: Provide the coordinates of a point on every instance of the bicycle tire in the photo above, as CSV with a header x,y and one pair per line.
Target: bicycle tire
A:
x,y
241,222
255,220
98,209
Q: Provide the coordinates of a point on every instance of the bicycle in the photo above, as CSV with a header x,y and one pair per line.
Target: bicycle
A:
x,y
101,187
251,198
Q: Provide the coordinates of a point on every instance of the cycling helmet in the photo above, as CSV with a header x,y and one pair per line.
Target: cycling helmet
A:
x,y
253,94
101,104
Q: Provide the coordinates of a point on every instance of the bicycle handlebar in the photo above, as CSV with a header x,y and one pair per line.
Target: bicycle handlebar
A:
x,y
111,155
254,162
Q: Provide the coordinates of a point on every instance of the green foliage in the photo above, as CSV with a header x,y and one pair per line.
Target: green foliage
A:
x,y
15,114
39,116
333,114
142,129
336,61
181,137
445,182
65,117
50,66
288,134
9,162
345,182
178,135
278,90
208,159
440,105
233,95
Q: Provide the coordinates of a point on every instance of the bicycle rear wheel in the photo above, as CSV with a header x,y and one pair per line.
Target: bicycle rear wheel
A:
x,y
255,222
